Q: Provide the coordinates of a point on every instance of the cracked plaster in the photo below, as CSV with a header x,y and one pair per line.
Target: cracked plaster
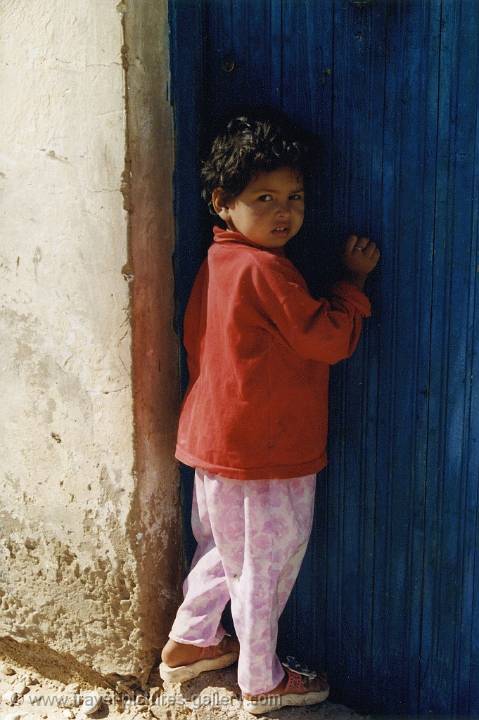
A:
x,y
89,515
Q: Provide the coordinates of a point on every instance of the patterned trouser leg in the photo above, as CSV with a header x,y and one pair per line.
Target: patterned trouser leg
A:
x,y
252,536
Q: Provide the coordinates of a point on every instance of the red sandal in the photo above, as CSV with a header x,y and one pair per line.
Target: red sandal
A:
x,y
212,657
303,687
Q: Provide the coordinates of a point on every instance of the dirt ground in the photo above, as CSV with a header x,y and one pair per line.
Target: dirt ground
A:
x,y
210,696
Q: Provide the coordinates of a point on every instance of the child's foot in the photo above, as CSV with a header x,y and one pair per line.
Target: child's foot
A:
x,y
182,662
294,689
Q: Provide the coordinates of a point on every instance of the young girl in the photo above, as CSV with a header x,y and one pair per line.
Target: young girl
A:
x,y
253,422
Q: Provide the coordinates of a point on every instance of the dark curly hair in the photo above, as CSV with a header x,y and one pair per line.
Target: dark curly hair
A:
x,y
259,140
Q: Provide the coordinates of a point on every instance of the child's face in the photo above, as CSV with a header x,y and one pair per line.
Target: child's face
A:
x,y
270,209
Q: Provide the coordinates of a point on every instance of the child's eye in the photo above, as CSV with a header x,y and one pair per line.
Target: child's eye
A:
x,y
267,197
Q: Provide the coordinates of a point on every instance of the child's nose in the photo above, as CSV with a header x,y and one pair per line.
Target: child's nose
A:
x,y
283,208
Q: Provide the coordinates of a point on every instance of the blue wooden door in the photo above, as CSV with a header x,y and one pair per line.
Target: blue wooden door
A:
x,y
388,596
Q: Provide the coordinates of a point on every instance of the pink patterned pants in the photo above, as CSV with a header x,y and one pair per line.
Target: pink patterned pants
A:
x,y
252,536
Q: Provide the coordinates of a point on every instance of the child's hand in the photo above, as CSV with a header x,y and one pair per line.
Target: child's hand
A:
x,y
360,256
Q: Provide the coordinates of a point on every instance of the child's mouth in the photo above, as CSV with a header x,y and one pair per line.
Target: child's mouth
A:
x,y
281,230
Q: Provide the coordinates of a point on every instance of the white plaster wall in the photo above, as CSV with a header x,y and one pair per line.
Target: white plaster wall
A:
x,y
66,423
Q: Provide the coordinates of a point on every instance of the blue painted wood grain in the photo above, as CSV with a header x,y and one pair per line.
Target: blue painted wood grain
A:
x,y
387,600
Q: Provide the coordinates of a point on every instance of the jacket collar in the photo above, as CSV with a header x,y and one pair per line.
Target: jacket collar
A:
x,y
220,235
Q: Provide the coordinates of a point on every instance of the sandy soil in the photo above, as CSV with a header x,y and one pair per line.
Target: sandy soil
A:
x,y
211,696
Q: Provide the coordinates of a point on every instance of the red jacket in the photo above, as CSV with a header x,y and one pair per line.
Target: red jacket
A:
x,y
259,349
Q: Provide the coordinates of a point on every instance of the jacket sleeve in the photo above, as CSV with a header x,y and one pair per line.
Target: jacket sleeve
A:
x,y
194,323
326,330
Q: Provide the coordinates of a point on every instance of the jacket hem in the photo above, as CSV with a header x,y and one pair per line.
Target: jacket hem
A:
x,y
270,472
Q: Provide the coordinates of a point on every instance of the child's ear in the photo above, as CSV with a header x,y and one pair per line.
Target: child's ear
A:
x,y
219,202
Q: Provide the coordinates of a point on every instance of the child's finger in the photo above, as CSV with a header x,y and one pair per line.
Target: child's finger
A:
x,y
369,250
350,243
